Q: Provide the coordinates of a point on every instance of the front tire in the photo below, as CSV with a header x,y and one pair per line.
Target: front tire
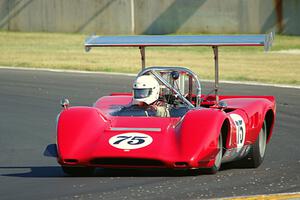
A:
x,y
78,171
218,159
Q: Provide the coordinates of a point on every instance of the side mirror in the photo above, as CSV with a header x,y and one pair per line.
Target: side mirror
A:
x,y
64,103
222,105
175,75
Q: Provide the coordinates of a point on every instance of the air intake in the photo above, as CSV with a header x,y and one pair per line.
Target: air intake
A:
x,y
127,162
70,161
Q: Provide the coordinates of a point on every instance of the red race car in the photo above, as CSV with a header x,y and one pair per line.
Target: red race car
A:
x,y
166,122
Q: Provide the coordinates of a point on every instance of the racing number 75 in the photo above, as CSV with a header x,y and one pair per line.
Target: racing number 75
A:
x,y
240,131
131,140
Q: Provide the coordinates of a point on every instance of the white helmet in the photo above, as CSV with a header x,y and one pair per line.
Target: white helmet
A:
x,y
145,89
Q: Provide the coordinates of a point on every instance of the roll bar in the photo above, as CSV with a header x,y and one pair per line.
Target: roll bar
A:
x,y
154,72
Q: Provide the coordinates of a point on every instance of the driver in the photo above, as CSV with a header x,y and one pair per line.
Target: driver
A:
x,y
146,94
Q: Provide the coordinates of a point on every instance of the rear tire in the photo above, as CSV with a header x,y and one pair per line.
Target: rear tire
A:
x,y
218,159
257,152
78,171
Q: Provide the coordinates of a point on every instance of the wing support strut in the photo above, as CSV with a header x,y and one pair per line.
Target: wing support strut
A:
x,y
216,58
143,56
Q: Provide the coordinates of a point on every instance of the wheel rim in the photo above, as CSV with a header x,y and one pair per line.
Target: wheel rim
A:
x,y
262,141
219,155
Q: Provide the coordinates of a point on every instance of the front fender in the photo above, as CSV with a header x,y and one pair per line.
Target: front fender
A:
x,y
198,134
78,129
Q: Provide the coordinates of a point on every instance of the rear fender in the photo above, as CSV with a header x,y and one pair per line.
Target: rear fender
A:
x,y
254,111
198,135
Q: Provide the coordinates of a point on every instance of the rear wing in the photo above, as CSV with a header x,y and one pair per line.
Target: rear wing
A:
x,y
213,41
179,40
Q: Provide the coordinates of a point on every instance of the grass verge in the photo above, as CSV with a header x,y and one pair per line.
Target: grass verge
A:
x,y
65,51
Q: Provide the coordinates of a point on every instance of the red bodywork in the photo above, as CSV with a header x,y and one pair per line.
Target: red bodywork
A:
x,y
178,142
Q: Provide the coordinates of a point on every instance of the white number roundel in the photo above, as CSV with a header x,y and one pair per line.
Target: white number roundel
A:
x,y
130,141
240,130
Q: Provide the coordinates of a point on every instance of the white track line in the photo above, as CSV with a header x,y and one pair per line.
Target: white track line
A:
x,y
292,195
132,75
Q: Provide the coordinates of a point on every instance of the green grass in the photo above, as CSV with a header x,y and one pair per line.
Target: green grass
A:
x,y
66,51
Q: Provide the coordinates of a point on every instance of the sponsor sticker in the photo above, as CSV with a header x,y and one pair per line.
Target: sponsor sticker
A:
x,y
127,141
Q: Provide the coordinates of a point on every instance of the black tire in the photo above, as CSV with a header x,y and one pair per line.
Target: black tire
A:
x,y
256,154
218,159
78,171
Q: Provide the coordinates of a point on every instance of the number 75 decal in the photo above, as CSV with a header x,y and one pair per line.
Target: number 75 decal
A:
x,y
240,130
130,140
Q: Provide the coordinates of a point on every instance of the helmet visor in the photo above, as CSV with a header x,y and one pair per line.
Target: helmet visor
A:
x,y
142,93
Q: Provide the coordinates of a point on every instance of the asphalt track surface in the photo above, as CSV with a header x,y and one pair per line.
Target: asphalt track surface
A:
x,y
29,103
